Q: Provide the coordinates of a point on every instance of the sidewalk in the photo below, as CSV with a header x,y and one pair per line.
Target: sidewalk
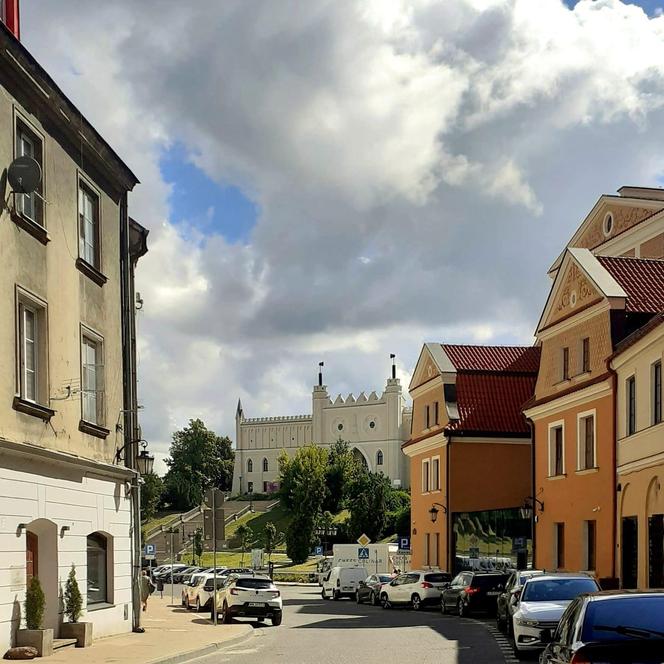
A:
x,y
172,635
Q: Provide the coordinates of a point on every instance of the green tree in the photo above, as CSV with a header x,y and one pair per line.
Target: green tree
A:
x,y
152,492
343,467
299,537
72,597
369,504
199,459
246,536
197,545
271,539
35,603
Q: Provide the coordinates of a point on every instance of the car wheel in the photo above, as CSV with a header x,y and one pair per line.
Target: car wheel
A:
x,y
260,619
501,624
374,599
199,608
518,654
322,594
183,601
461,610
336,596
443,606
357,597
509,627
384,601
276,619
225,614
416,602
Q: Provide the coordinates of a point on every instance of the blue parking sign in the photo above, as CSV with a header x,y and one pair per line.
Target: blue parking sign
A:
x,y
363,553
150,549
319,550
404,543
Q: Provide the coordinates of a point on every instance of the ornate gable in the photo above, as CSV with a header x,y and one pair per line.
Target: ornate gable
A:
x,y
624,217
425,369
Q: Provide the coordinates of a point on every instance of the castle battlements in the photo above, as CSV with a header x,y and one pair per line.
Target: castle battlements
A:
x,y
279,419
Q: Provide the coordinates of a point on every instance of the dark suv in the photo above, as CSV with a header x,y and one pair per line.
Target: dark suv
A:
x,y
472,592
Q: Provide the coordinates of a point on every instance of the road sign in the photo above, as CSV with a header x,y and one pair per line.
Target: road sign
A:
x,y
404,543
363,553
319,550
257,558
363,540
150,551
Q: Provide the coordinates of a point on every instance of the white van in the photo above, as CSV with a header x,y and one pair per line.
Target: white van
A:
x,y
342,582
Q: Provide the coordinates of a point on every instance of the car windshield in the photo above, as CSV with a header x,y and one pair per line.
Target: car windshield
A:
x,y
437,578
258,584
624,618
557,590
384,578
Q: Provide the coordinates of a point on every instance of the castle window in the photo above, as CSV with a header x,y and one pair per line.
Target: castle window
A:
x,y
265,466
340,426
379,458
250,466
372,424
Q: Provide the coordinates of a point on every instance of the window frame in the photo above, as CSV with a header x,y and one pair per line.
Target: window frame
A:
x,y
435,475
553,426
590,552
436,413
564,363
559,545
380,458
266,465
250,465
581,438
630,405
585,355
427,416
92,270
656,392
93,337
426,475
97,537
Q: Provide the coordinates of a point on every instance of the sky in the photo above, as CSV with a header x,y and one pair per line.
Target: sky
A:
x,y
339,180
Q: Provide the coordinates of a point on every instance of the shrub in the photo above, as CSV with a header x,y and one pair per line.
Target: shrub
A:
x,y
73,598
35,603
298,539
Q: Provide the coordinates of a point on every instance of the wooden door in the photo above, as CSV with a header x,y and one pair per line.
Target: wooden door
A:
x,y
31,556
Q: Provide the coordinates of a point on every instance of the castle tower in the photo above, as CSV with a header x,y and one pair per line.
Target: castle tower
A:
x,y
320,399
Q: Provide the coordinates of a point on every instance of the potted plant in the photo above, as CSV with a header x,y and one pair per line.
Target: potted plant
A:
x,y
34,635
73,600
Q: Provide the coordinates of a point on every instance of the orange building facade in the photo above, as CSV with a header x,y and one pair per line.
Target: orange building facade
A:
x,y
608,283
470,456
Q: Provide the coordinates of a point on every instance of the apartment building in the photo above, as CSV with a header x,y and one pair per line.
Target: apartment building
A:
x,y
470,456
607,283
68,425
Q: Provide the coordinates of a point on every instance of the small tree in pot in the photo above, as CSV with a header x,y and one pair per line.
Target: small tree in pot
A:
x,y
81,631
35,603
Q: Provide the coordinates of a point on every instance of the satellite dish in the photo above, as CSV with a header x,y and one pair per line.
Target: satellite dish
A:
x,y
24,175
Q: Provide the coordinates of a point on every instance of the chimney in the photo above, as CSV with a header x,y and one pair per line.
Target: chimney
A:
x,y
10,16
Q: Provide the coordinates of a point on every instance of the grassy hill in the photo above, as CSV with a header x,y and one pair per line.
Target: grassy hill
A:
x,y
257,522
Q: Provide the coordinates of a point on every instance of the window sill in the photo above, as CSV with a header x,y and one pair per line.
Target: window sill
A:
x,y
587,471
91,272
99,606
93,429
557,477
32,227
31,408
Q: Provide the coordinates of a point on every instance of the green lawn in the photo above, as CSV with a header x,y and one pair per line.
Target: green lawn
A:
x,y
257,522
162,519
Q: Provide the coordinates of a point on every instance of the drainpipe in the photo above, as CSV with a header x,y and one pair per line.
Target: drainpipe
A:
x,y
614,469
448,514
533,482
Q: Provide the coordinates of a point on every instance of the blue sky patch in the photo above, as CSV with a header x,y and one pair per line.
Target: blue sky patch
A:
x,y
199,201
649,6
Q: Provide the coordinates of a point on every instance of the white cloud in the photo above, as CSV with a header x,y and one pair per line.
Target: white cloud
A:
x,y
417,165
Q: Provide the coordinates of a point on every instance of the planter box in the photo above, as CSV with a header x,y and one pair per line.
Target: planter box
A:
x,y
41,639
81,631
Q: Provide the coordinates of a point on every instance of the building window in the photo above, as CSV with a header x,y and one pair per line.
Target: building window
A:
x,y
379,458
657,392
559,545
250,487
564,369
88,225
556,451
586,432
630,395
435,413
250,466
97,556
590,542
427,416
435,474
32,348
266,487
92,379
425,476
585,355
607,225
266,466
29,145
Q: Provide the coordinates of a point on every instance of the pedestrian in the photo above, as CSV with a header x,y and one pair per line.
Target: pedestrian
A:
x,y
147,588
160,587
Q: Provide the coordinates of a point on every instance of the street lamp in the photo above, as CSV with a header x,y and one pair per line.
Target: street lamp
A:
x,y
433,512
144,460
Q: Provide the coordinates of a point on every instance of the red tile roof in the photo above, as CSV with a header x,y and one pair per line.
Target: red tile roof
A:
x,y
492,403
510,359
642,279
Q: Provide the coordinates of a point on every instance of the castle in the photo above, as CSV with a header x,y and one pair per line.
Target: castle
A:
x,y
374,426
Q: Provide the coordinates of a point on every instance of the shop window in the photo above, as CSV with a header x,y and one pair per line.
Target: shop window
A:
x,y
97,558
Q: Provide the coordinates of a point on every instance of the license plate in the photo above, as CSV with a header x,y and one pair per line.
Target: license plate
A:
x,y
256,604
493,593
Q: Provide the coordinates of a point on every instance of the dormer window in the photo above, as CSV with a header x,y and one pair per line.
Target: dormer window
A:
x,y
607,225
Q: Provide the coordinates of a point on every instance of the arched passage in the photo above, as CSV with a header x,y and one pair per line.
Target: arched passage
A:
x,y
360,457
42,548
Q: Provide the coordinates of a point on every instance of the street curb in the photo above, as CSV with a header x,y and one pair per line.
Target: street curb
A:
x,y
295,583
209,649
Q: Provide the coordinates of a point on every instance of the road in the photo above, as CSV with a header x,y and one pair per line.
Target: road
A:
x,y
315,631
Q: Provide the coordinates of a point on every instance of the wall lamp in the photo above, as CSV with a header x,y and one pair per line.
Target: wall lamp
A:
x,y
533,501
144,460
433,512
21,528
64,529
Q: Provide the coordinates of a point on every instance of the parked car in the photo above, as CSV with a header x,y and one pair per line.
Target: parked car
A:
x,y
507,600
249,596
199,596
472,592
189,588
178,576
342,582
165,572
542,601
369,589
417,588
612,627
186,576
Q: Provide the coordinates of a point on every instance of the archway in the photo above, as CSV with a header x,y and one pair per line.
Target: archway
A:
x,y
359,456
42,561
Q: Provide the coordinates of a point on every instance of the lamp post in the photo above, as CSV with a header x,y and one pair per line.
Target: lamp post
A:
x,y
172,531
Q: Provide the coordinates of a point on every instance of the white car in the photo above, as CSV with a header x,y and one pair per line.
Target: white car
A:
x,y
199,591
417,589
542,602
190,589
249,596
342,582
